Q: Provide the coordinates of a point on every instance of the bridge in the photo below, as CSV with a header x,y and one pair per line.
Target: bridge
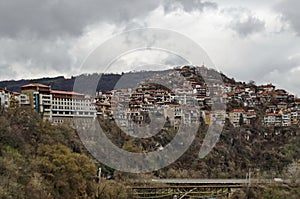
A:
x,y
193,188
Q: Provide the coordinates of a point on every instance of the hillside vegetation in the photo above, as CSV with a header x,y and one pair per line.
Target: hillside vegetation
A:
x,y
40,160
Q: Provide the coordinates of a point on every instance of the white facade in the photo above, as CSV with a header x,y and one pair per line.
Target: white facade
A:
x,y
23,99
4,98
69,105
57,106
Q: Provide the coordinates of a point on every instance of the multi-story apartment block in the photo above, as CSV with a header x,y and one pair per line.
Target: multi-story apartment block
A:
x,y
294,117
57,106
22,99
39,99
273,119
68,105
267,87
237,117
282,105
286,118
9,99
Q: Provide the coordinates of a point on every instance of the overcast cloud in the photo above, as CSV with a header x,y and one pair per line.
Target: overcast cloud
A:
x,y
249,40
290,12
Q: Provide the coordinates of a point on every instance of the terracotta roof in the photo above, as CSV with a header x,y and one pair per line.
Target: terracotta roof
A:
x,y
147,104
267,86
173,105
273,114
65,92
231,93
286,111
282,103
35,84
102,104
281,92
238,110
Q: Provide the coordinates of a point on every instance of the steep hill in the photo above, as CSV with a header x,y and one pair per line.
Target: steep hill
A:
x,y
40,160
107,81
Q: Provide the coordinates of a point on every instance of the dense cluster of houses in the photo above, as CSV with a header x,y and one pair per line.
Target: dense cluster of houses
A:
x,y
186,104
129,106
265,103
276,107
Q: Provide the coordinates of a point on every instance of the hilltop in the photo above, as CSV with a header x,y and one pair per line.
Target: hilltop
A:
x,y
107,81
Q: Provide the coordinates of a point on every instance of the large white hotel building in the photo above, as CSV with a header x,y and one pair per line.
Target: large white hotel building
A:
x,y
57,106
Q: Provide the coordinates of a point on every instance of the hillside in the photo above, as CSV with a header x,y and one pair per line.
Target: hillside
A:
x,y
106,83
41,160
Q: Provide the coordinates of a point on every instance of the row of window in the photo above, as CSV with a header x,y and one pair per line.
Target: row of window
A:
x,y
72,113
74,104
74,107
69,100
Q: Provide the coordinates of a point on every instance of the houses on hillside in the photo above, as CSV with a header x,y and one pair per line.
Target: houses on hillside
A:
x,y
186,103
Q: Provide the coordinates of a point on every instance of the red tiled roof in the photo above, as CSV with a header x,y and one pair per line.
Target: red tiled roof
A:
x,y
65,92
102,104
267,86
147,104
282,103
173,105
281,92
231,93
238,110
35,84
273,114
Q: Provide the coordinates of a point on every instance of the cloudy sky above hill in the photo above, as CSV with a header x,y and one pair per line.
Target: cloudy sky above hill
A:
x,y
249,40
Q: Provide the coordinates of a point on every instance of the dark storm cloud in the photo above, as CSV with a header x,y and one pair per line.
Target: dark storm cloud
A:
x,y
49,17
38,35
65,17
33,57
290,12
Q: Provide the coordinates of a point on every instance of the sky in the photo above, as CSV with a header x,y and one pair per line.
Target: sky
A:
x,y
249,40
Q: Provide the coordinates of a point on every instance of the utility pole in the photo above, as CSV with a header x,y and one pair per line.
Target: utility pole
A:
x,y
249,178
249,183
99,175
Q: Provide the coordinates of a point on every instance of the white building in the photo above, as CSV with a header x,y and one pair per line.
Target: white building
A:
x,y
4,98
57,106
